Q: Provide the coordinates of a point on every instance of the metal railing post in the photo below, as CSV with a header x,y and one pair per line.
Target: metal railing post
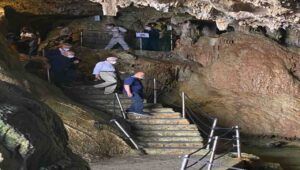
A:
x,y
154,92
212,156
212,131
185,162
81,38
48,70
238,144
121,107
124,131
183,104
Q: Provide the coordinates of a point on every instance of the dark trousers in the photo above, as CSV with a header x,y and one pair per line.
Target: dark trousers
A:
x,y
58,77
137,104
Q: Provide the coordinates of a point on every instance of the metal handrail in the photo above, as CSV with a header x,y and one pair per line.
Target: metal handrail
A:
x,y
121,106
186,158
126,134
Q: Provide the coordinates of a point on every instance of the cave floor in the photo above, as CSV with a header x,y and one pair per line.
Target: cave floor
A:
x,y
157,162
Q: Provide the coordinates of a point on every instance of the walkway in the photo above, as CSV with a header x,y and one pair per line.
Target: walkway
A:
x,y
153,163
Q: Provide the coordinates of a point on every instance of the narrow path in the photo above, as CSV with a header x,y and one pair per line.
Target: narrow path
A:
x,y
139,163
159,162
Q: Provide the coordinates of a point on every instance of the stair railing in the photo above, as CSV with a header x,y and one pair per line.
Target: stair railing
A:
x,y
213,128
154,91
209,164
126,134
124,114
121,106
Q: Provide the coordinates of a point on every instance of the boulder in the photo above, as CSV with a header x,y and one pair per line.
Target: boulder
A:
x,y
32,135
246,80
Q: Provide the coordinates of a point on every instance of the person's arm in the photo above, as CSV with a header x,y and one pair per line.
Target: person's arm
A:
x,y
128,91
97,70
123,30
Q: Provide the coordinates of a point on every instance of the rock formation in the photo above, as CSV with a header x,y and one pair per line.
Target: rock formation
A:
x,y
273,14
32,135
246,80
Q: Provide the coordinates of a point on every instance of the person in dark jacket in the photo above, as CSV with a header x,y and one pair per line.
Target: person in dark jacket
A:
x,y
154,35
59,64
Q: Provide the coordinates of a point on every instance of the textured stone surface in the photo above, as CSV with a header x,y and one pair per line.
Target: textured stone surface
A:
x,y
246,80
32,133
46,7
273,14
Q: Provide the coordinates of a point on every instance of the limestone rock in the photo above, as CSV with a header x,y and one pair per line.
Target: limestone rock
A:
x,y
273,14
223,23
32,133
246,80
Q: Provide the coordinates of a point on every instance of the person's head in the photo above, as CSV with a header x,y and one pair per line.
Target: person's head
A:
x,y
140,75
110,26
147,27
112,60
152,25
70,54
65,46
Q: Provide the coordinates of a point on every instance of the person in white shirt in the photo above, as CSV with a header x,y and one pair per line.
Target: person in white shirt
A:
x,y
106,71
117,37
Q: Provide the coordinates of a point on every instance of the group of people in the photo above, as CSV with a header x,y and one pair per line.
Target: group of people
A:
x,y
133,86
150,43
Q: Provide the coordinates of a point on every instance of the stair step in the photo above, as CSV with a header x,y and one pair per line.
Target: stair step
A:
x,y
179,144
157,115
173,151
170,138
161,110
164,127
99,96
160,121
167,133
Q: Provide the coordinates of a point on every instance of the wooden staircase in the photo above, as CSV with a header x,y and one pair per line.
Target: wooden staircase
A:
x,y
162,132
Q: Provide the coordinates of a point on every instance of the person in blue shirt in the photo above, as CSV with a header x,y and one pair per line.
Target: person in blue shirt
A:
x,y
134,89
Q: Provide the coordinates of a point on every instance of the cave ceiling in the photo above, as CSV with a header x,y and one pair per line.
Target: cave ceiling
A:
x,y
273,14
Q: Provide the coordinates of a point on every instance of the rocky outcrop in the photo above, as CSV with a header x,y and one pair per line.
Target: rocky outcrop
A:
x,y
73,124
49,7
273,14
246,80
33,136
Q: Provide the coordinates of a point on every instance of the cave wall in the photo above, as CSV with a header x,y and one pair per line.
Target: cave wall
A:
x,y
248,80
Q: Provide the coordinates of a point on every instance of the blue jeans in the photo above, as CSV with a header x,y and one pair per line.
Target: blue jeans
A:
x,y
137,105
